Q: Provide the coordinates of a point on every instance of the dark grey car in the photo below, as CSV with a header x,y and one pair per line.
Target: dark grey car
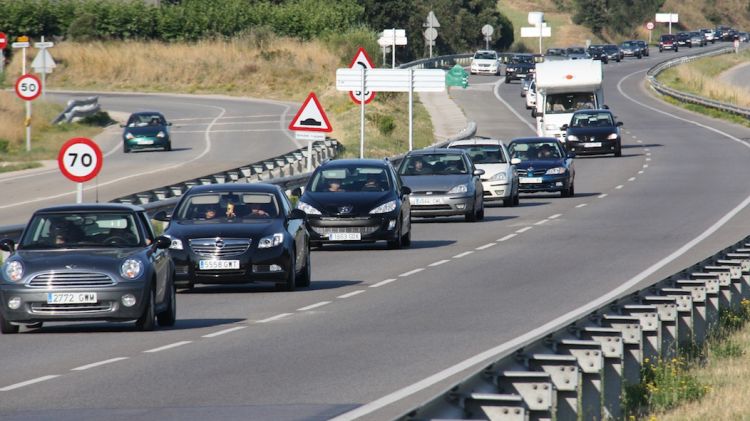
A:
x,y
443,182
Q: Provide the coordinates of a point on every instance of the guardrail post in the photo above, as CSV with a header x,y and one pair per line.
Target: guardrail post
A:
x,y
698,291
563,371
725,275
713,297
534,387
650,328
590,362
684,301
743,255
666,308
611,342
632,338
735,274
494,406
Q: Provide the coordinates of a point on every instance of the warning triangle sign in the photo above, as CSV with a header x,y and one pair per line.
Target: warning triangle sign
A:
x,y
361,60
311,117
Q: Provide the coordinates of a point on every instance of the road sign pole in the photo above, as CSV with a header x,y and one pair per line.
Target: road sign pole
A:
x,y
27,122
411,108
393,51
23,61
79,193
309,155
362,118
2,61
44,72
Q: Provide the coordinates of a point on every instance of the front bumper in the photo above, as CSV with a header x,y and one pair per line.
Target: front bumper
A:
x,y
353,229
546,183
484,70
271,264
146,142
109,307
440,205
592,147
496,190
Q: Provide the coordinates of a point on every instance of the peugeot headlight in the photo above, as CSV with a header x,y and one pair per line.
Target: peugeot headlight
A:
x,y
556,171
161,135
613,136
385,207
129,136
572,137
307,208
461,188
551,127
14,270
271,241
131,269
176,243
499,177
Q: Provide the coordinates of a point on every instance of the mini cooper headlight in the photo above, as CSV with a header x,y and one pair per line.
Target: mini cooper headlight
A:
x,y
307,208
499,177
461,188
572,137
271,241
131,269
14,270
556,171
385,207
613,136
161,135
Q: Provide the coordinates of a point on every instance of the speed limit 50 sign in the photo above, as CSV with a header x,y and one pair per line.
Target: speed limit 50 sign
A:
x,y
28,87
80,159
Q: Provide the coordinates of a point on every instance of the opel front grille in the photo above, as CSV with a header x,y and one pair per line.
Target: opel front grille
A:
x,y
219,247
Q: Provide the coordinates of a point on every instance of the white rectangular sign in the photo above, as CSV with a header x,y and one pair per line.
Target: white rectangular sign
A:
x,y
20,45
667,17
533,31
46,44
314,136
391,80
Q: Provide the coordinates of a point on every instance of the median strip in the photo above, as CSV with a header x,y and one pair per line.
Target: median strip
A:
x,y
381,283
100,363
276,317
351,294
222,332
316,305
28,382
166,347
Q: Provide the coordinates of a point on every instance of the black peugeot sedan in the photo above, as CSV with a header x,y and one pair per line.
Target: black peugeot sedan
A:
x,y
593,132
87,262
238,233
146,130
543,165
356,200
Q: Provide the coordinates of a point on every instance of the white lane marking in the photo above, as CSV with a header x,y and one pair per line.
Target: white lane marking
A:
x,y
631,179
381,283
648,159
639,141
541,331
351,294
507,237
523,230
542,222
166,347
316,305
438,263
227,131
28,382
276,317
225,118
647,149
582,205
555,216
648,154
640,172
520,117
645,165
486,246
619,187
224,332
100,363
627,131
460,255
411,272
602,196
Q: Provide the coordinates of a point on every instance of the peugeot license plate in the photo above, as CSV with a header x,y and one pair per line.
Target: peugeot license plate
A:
x,y
218,264
530,180
71,297
344,236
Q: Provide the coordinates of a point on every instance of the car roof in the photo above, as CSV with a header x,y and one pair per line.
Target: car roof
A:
x,y
534,139
91,207
234,187
594,110
354,161
146,112
433,151
476,141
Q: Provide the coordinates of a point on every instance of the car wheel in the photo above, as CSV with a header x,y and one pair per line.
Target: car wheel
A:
x,y
569,192
125,149
509,201
406,239
480,213
517,199
305,275
291,280
168,147
169,316
507,80
147,321
470,216
640,56
397,243
618,151
6,327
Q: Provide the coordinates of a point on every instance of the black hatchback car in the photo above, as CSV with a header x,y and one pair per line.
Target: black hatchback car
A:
x,y
238,233
356,200
520,66
146,130
543,165
593,132
87,262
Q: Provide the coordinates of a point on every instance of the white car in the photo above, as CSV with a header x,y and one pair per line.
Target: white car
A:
x,y
499,181
485,62
531,96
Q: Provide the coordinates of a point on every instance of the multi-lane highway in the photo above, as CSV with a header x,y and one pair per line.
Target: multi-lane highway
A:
x,y
376,321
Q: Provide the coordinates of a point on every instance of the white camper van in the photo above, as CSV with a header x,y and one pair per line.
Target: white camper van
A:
x,y
564,87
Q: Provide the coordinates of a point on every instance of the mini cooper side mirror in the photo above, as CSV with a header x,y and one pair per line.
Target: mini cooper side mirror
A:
x,y
162,242
297,214
161,216
6,244
297,192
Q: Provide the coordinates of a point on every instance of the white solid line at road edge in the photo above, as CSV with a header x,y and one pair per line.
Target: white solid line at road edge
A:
x,y
276,317
563,320
351,294
223,332
381,283
316,305
166,347
92,365
28,382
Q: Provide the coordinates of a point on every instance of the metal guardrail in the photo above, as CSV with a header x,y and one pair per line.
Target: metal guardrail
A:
x,y
78,108
688,97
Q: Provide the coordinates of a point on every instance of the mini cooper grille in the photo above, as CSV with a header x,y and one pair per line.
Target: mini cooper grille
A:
x,y
44,308
70,280
331,230
219,247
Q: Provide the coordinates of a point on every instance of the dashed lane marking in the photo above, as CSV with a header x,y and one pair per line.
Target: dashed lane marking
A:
x,y
460,255
100,363
29,382
602,196
507,237
381,283
582,205
166,347
316,305
555,216
486,246
224,332
438,263
276,317
523,230
351,294
619,187
542,222
411,272
631,179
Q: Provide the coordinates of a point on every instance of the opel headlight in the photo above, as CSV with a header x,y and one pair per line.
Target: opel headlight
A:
x,y
307,208
129,136
461,188
176,243
385,207
499,177
131,269
613,136
160,135
572,137
14,270
271,241
556,171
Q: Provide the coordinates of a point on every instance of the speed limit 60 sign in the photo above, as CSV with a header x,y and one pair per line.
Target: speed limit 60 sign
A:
x,y
28,87
80,159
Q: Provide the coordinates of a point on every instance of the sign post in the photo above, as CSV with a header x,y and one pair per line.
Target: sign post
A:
x,y
43,62
3,44
28,88
667,17
430,34
311,124
487,31
393,37
650,27
80,160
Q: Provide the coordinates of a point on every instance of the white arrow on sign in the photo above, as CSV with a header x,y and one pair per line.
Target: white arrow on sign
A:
x,y
43,62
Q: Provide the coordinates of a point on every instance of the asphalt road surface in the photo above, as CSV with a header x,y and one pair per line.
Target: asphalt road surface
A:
x,y
375,321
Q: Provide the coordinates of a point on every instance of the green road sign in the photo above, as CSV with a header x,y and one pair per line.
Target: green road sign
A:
x,y
457,76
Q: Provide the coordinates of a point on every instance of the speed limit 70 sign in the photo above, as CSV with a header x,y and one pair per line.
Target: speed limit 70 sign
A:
x,y
28,87
80,159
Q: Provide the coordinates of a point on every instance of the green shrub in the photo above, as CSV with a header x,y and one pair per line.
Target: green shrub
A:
x,y
4,145
386,125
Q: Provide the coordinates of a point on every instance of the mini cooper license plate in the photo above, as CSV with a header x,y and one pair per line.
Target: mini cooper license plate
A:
x,y
530,180
344,236
71,298
218,264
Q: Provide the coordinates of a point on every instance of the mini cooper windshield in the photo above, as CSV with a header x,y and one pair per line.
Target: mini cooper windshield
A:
x,y
74,230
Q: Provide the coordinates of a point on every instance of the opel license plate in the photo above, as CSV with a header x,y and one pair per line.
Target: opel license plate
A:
x,y
218,264
344,236
71,298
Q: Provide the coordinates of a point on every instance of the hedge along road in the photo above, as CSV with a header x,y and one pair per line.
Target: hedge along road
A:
x,y
209,134
375,320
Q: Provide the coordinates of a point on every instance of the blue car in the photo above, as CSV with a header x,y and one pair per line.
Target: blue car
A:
x,y
543,165
146,130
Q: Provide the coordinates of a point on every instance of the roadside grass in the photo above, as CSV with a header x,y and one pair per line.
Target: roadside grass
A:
x,y
258,65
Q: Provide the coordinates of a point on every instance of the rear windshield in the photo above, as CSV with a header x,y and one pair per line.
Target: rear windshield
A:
x,y
483,154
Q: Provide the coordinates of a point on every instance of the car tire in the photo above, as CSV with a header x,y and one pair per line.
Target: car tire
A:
x,y
305,275
509,201
406,239
168,317
640,56
291,280
517,199
397,243
507,80
168,147
147,321
125,149
618,151
480,213
569,192
7,327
